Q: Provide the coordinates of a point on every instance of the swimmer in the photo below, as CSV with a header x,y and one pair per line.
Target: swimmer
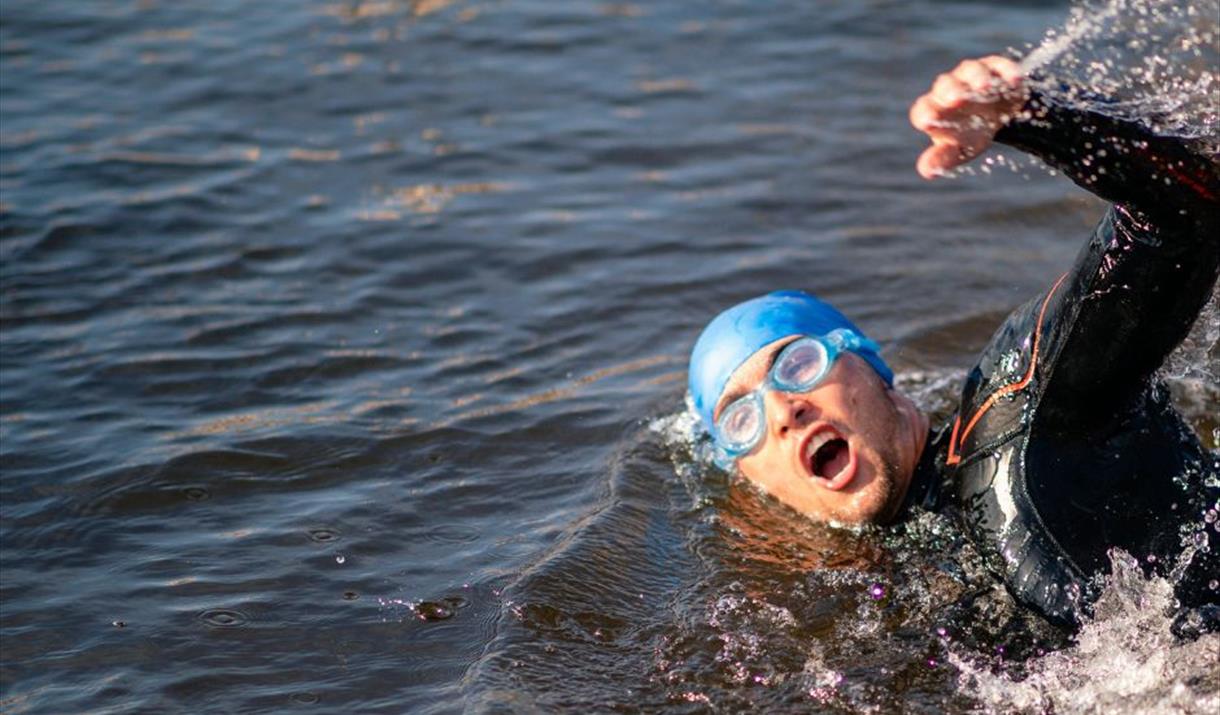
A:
x,y
1064,444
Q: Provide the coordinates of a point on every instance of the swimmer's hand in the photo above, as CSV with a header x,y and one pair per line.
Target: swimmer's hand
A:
x,y
964,109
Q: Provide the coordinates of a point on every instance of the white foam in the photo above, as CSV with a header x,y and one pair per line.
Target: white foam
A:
x,y
1125,659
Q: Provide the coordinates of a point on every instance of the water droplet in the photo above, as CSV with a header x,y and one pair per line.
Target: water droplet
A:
x,y
323,535
433,611
304,698
340,558
224,618
876,591
1213,584
196,493
452,533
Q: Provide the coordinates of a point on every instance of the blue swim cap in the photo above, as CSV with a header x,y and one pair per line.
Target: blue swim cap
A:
x,y
737,333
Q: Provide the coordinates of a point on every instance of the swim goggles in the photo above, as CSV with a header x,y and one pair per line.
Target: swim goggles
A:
x,y
799,367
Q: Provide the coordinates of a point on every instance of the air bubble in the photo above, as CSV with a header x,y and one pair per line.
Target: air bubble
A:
x,y
224,618
433,611
305,698
323,535
196,493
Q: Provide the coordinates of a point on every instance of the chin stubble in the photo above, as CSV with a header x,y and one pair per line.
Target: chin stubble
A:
x,y
887,494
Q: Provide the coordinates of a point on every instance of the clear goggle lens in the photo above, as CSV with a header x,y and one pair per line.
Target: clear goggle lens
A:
x,y
741,423
801,365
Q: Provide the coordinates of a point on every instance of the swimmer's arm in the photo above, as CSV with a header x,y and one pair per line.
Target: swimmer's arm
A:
x,y
1140,281
1123,161
1171,179
964,109
1149,267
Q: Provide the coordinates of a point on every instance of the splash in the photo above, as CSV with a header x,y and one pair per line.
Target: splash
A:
x,y
1197,360
1192,373
1125,659
690,451
935,391
1155,60
1152,61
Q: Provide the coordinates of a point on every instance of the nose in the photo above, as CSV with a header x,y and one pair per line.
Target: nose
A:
x,y
786,410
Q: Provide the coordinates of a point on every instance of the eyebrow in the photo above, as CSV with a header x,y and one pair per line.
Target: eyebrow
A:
x,y
731,397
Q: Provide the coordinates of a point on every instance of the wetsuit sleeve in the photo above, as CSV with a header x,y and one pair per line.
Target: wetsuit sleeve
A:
x,y
1149,267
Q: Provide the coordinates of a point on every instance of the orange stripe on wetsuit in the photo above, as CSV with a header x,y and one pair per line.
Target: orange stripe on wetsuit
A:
x,y
955,442
1192,182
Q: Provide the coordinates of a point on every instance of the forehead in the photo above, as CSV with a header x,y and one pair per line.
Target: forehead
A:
x,y
751,372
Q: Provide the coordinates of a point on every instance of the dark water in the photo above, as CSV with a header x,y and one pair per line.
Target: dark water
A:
x,y
343,346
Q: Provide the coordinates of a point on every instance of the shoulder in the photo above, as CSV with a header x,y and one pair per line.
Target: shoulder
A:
x,y
995,395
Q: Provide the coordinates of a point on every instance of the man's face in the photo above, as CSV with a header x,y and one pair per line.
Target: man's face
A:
x,y
844,451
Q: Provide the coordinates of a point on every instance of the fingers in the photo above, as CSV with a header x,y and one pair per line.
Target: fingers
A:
x,y
1008,70
978,76
963,109
929,117
983,80
948,91
939,158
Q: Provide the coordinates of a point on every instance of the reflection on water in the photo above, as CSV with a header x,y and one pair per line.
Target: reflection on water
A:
x,y
333,340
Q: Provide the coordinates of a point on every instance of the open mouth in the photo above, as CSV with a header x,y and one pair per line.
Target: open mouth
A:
x,y
828,455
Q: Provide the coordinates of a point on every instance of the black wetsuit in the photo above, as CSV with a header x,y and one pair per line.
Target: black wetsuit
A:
x,y
1065,444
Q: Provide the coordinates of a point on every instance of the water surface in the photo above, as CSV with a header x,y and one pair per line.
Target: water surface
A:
x,y
343,355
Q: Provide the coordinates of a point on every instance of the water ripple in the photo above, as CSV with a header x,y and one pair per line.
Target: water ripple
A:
x,y
224,618
313,308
